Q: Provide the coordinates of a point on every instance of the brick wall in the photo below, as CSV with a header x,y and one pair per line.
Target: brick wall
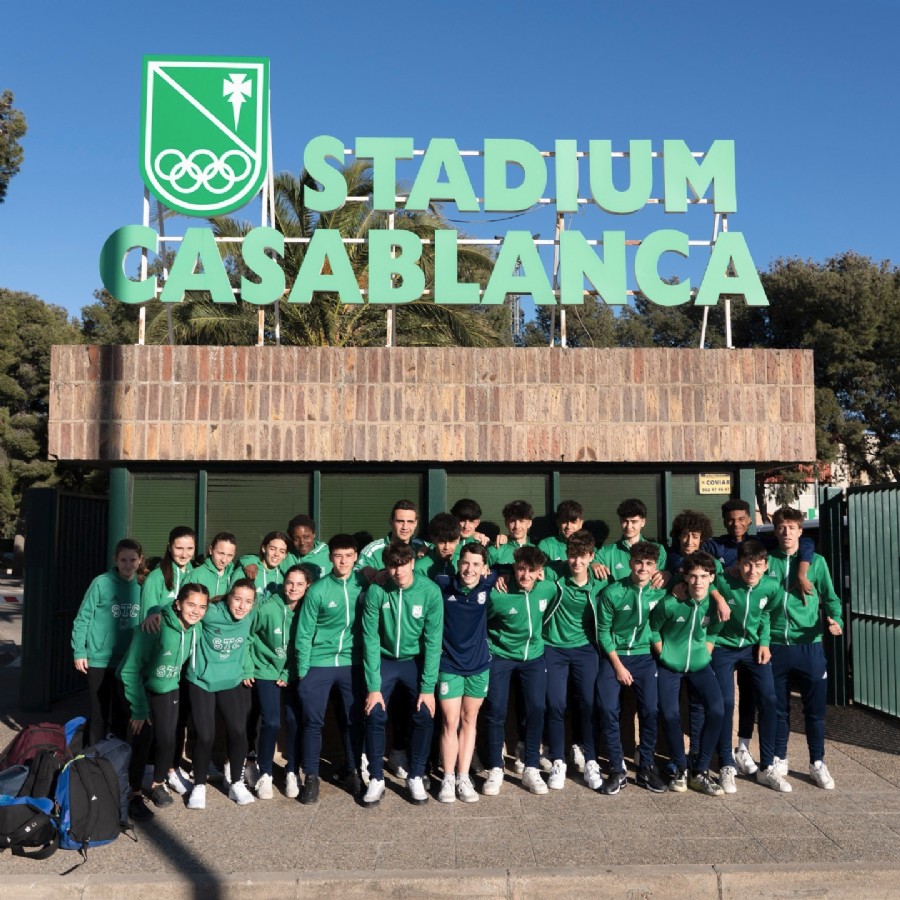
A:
x,y
383,405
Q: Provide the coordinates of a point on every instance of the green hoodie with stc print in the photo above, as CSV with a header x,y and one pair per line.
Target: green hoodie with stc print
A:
x,y
570,619
154,661
681,626
222,661
329,624
515,621
154,593
216,582
270,638
794,617
617,558
403,623
750,608
623,616
107,615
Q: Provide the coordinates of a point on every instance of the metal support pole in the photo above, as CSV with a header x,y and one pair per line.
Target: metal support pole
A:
x,y
142,313
712,244
728,343
391,323
556,233
161,223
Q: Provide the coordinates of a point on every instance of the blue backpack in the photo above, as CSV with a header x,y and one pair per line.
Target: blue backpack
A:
x,y
88,798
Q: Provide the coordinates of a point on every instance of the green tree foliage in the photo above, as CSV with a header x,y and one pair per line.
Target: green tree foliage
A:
x,y
28,329
592,324
12,129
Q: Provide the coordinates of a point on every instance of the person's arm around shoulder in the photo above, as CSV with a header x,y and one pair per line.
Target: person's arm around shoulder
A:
x,y
833,612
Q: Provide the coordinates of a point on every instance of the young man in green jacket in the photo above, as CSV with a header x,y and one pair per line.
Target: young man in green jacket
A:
x,y
402,630
796,642
613,560
329,653
678,635
517,516
623,633
441,559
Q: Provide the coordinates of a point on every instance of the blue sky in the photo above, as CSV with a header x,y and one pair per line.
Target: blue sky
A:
x,y
808,92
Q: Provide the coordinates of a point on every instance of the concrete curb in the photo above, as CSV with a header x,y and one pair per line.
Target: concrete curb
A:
x,y
851,880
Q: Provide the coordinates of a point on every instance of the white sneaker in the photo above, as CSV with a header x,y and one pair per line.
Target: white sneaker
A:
x,y
264,787
519,762
819,773
576,755
781,766
240,793
544,761
374,792
226,771
477,766
726,779
177,782
447,793
364,768
772,778
493,782
465,790
398,763
557,779
291,786
744,762
197,800
251,773
417,792
592,777
531,779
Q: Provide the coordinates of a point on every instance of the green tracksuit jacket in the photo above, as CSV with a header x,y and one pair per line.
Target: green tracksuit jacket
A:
x,y
317,559
794,617
681,626
617,558
329,623
154,661
503,555
270,645
403,623
222,660
216,582
267,581
154,593
570,620
750,610
431,565
623,617
108,613
515,621
371,554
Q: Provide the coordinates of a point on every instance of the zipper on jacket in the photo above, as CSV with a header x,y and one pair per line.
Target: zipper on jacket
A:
x,y
746,616
687,663
787,581
337,656
399,613
530,630
640,617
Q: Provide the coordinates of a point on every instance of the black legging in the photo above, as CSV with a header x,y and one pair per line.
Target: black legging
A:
x,y
164,709
234,705
109,712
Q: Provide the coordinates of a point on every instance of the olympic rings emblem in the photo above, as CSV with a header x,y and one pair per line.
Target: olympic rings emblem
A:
x,y
188,175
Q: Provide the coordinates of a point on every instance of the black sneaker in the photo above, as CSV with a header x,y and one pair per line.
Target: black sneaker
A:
x,y
352,784
647,778
310,792
614,783
160,796
138,811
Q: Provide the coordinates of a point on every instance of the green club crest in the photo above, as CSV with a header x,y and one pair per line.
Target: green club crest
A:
x,y
204,131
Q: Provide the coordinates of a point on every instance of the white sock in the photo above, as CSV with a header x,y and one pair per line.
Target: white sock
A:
x,y
743,743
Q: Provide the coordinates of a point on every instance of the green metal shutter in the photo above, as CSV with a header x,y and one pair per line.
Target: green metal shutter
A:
x,y
352,503
493,492
159,503
686,496
601,494
252,505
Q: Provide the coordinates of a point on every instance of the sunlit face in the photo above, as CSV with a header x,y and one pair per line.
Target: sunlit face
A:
x,y
689,542
127,563
183,550
642,571
274,552
567,529
752,570
303,539
518,529
403,524
471,568
468,527
446,549
788,533
343,560
526,578
221,554
736,523
632,527
578,565
295,585
240,601
192,608
402,574
698,582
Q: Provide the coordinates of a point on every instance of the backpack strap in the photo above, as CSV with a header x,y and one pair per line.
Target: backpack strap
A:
x,y
44,852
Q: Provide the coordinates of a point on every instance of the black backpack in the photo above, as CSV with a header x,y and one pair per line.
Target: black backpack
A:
x,y
88,798
27,826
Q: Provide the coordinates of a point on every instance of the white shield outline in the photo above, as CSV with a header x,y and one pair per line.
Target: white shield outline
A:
x,y
258,69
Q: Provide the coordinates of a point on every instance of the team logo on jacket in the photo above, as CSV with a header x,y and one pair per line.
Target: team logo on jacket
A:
x,y
482,597
513,611
653,604
445,688
417,612
167,653
763,601
332,605
542,606
626,606
277,631
279,652
704,621
680,619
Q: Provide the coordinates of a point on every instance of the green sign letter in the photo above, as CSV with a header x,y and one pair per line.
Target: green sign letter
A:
x,y
566,168
198,245
270,286
716,169
112,263
640,174
518,246
731,254
334,186
384,153
498,195
442,153
382,266
447,289
646,267
325,247
577,261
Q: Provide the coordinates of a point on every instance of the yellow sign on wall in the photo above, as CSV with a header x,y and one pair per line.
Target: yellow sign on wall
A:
x,y
714,483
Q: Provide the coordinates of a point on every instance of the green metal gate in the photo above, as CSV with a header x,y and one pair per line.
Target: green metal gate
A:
x,y
65,549
873,524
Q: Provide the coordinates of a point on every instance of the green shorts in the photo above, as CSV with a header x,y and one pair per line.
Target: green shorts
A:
x,y
450,686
